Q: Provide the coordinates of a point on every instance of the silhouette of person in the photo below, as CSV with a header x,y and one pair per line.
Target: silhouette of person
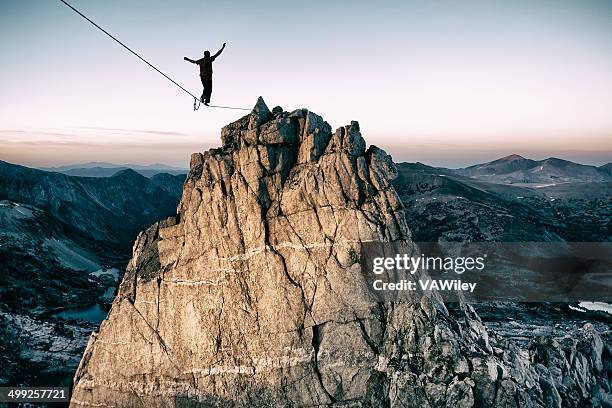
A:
x,y
206,73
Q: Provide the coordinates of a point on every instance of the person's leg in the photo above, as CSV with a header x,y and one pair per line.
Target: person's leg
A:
x,y
203,88
207,88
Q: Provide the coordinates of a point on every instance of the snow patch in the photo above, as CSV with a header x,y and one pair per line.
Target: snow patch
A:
x,y
599,306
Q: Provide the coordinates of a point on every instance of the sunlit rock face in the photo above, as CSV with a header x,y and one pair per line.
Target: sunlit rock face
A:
x,y
253,294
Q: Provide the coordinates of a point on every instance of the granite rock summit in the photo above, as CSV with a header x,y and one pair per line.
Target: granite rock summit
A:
x,y
253,295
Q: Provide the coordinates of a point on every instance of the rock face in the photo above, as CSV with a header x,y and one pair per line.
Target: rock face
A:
x,y
253,295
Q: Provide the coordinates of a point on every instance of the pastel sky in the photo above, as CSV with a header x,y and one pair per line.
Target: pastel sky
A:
x,y
442,82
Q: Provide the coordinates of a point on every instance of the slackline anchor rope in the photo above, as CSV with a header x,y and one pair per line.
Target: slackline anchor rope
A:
x,y
196,100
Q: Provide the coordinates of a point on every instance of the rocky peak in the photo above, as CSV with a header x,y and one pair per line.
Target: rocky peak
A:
x,y
129,174
512,157
306,131
253,294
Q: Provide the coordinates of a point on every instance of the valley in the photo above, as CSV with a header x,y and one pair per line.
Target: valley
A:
x,y
64,244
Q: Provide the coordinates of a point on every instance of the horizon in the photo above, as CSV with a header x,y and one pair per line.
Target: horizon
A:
x,y
170,167
437,155
436,83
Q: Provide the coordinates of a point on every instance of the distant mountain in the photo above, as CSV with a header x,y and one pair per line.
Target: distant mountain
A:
x,y
111,209
110,171
442,206
102,169
419,167
88,165
607,168
515,169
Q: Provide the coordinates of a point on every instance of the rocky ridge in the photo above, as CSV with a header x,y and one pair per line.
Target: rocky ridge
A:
x,y
253,295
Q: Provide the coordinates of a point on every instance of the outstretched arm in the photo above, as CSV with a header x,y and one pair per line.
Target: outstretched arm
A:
x,y
190,60
219,52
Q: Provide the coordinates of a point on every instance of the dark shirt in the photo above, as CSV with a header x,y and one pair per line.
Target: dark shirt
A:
x,y
206,65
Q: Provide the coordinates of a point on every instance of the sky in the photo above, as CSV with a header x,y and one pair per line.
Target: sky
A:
x,y
446,83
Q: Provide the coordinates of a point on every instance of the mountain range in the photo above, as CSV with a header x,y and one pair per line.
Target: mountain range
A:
x,y
445,206
256,213
511,169
515,169
111,209
103,169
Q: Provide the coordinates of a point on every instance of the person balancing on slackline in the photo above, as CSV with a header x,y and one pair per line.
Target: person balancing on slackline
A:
x,y
206,73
